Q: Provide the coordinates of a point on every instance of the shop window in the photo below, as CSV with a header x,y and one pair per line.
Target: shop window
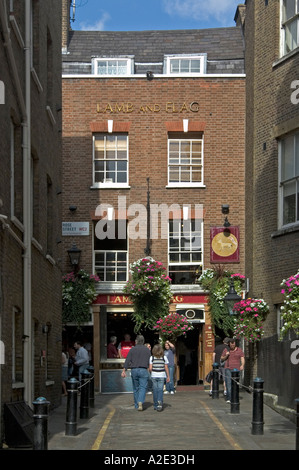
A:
x,y
110,160
185,162
289,180
290,25
110,253
185,64
112,66
185,251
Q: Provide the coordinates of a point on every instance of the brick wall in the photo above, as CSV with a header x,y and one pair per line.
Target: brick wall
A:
x,y
268,259
46,152
221,108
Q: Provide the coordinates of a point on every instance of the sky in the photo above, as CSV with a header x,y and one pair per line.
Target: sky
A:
x,y
140,15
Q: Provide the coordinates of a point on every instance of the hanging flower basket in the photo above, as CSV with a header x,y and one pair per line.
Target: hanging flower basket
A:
x,y
78,293
290,307
217,282
172,326
149,290
251,316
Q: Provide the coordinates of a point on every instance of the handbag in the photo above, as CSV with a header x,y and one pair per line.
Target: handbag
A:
x,y
209,377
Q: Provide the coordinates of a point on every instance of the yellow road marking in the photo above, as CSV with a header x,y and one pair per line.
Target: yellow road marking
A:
x,y
100,436
221,427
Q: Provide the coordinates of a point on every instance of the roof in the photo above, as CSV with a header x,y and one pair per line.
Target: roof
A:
x,y
151,46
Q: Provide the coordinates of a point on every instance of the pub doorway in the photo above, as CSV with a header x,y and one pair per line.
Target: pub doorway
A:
x,y
189,353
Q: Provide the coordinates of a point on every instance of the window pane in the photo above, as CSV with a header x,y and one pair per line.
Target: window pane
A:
x,y
185,63
174,66
291,36
102,67
289,203
174,175
287,164
289,9
121,177
195,66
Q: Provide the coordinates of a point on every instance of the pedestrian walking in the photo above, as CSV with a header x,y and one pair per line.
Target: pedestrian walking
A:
x,y
217,359
138,361
234,359
81,358
159,370
169,352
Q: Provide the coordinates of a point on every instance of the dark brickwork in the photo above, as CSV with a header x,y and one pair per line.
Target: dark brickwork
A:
x,y
45,90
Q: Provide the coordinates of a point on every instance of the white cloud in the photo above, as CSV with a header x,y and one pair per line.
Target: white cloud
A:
x,y
222,11
98,25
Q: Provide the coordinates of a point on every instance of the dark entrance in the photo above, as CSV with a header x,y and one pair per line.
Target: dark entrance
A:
x,y
190,357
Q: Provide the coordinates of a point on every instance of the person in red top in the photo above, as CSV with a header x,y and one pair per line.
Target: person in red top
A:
x,y
125,346
234,359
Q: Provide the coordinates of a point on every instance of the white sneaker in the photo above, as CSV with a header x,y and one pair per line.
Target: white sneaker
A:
x,y
171,393
166,393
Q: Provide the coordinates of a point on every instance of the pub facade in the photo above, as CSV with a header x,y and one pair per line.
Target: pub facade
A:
x,y
153,152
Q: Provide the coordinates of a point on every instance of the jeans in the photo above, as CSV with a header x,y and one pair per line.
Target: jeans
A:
x,y
139,377
228,382
150,383
170,384
158,384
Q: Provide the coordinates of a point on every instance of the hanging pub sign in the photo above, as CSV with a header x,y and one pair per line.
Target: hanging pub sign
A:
x,y
224,244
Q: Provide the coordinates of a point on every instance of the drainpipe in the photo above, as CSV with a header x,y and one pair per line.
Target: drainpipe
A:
x,y
28,365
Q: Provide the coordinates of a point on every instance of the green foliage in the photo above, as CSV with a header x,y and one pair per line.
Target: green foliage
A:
x,y
78,293
290,308
149,290
217,282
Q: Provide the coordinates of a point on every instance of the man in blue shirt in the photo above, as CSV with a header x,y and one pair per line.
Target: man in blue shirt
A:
x,y
81,358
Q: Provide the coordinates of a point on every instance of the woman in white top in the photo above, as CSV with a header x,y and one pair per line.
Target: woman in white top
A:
x,y
159,370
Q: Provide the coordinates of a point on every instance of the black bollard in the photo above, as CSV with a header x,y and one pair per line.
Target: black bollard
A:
x,y
234,404
91,386
71,410
215,383
84,402
297,423
40,419
258,407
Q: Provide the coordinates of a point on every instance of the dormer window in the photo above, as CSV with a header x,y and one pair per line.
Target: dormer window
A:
x,y
186,64
112,66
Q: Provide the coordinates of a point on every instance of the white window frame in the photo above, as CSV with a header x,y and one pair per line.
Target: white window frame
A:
x,y
180,226
129,66
201,58
285,23
107,183
118,265
184,184
288,180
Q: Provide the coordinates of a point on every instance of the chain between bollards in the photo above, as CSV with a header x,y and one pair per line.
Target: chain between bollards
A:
x,y
40,419
258,407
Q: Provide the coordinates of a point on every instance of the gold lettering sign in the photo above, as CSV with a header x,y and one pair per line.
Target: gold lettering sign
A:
x,y
170,107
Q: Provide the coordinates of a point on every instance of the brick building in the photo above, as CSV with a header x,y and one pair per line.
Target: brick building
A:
x,y
30,188
272,142
151,118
